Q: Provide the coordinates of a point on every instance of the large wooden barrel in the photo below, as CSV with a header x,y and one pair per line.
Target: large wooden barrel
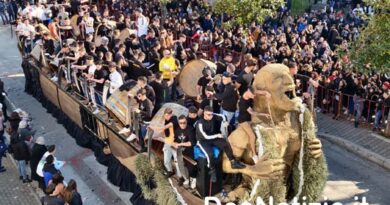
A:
x,y
158,121
120,104
191,73
158,118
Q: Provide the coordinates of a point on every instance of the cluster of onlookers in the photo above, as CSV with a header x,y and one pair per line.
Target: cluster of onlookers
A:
x,y
27,149
45,168
158,46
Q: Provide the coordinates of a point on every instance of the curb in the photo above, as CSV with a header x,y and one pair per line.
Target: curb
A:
x,y
357,149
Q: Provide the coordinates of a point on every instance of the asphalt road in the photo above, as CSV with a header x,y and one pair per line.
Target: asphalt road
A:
x,y
350,176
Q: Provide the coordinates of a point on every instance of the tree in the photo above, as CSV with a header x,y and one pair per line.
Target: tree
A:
x,y
244,12
371,52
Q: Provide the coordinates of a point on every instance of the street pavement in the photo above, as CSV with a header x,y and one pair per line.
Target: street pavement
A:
x,y
81,165
350,175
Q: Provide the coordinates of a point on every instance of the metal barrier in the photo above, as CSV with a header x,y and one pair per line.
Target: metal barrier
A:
x,y
348,107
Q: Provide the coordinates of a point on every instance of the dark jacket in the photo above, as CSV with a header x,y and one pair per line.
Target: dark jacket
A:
x,y
76,199
20,150
36,154
229,98
207,130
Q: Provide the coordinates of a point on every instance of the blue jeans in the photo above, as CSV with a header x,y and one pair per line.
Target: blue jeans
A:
x,y
378,118
22,168
98,99
229,116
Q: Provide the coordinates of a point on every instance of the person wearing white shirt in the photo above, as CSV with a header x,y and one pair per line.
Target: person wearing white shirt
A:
x,y
89,66
26,33
88,22
115,78
142,23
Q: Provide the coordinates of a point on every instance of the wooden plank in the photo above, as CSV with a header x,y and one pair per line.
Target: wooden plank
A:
x,y
70,107
49,89
119,148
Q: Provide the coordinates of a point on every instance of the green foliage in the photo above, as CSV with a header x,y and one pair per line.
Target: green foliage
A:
x,y
371,52
247,11
298,7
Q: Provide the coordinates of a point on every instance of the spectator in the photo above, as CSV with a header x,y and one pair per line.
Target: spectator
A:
x,y
37,153
70,194
21,154
229,98
49,170
58,180
115,78
142,23
170,124
169,68
208,134
145,111
51,200
184,142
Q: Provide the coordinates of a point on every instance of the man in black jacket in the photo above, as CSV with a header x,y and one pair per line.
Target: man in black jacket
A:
x,y
229,97
21,154
208,134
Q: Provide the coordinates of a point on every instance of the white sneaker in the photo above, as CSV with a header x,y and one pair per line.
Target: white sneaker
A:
x,y
124,130
255,158
186,182
193,183
97,111
131,137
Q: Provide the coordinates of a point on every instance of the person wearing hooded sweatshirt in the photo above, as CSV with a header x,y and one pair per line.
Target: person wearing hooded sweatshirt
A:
x,y
37,153
49,170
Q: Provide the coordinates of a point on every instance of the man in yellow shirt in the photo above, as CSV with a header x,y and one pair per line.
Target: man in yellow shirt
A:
x,y
170,69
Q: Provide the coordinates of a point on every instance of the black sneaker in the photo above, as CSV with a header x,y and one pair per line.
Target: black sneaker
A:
x,y
2,169
143,149
180,182
237,164
169,174
20,177
26,181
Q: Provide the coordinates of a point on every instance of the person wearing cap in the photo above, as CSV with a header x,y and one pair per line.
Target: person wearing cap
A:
x,y
386,86
21,154
37,152
222,64
246,76
115,78
229,98
208,134
209,100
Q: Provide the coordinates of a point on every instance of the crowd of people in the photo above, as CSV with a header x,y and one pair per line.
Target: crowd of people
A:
x,y
45,168
29,150
161,45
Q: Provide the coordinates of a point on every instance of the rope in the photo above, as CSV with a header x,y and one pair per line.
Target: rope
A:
x,y
179,197
300,164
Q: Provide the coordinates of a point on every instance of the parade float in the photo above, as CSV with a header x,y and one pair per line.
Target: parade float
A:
x,y
291,167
